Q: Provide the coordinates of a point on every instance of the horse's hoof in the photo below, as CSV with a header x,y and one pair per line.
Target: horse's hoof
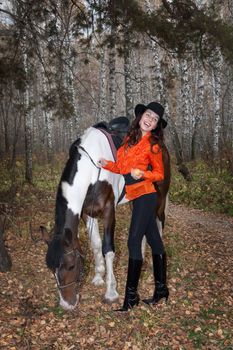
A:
x,y
110,299
98,280
110,302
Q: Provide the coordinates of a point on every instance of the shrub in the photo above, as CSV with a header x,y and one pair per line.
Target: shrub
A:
x,y
211,188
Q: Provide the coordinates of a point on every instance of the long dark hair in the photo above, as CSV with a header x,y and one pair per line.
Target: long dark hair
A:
x,y
134,134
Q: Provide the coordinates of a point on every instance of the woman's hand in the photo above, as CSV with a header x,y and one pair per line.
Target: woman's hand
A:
x,y
136,173
102,162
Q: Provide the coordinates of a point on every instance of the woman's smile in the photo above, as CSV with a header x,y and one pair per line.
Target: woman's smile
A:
x,y
148,122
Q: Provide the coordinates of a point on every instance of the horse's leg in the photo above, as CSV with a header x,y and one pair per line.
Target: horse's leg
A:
x,y
143,246
96,245
160,226
111,294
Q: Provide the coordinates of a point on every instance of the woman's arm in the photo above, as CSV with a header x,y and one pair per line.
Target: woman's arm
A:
x,y
156,161
109,165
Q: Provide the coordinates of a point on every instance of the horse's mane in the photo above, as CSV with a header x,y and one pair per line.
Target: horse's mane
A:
x,y
71,164
55,252
74,147
68,175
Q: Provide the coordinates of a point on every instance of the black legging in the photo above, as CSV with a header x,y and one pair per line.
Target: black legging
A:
x,y
143,222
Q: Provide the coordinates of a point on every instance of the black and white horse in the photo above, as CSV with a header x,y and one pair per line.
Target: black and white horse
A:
x,y
87,192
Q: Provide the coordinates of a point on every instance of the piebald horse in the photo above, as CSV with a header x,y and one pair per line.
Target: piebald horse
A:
x,y
87,192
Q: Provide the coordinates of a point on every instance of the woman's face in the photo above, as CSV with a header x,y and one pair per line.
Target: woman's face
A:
x,y
148,121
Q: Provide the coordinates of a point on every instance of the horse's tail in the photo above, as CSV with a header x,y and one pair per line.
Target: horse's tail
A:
x,y
166,208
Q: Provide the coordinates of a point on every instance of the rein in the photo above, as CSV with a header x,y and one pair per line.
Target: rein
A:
x,y
83,149
94,192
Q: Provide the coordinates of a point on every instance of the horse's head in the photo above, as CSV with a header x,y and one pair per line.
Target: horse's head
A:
x,y
65,259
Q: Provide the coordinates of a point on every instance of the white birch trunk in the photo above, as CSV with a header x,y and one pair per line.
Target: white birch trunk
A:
x,y
184,108
216,85
199,103
28,124
102,86
198,116
127,75
128,87
47,114
145,93
157,85
76,115
48,126
216,128
140,85
200,3
158,82
112,78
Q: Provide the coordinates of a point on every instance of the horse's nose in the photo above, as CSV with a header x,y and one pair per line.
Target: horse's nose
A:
x,y
71,305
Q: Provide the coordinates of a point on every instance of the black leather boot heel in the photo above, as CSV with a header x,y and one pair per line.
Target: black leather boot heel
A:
x,y
160,292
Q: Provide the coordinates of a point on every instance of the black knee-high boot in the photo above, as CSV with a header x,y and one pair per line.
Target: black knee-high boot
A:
x,y
160,276
131,294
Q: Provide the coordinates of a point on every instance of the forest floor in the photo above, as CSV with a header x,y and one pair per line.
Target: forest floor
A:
x,y
199,313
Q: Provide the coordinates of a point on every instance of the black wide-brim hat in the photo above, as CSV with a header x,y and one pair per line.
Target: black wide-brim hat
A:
x,y
153,106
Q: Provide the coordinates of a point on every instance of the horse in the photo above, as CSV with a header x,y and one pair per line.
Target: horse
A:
x,y
87,192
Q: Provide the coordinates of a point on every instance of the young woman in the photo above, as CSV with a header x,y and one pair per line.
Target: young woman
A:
x,y
139,160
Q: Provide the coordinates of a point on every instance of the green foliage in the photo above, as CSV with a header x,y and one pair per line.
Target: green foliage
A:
x,y
178,25
14,188
211,189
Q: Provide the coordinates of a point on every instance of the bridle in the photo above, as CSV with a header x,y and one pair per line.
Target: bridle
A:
x,y
79,255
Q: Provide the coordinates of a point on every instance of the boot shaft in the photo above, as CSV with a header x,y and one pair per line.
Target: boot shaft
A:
x,y
131,294
160,268
160,271
134,272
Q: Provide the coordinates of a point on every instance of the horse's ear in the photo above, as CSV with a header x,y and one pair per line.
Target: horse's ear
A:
x,y
45,234
68,237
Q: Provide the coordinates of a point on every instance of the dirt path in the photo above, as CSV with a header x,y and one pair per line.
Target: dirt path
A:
x,y
214,230
209,222
198,316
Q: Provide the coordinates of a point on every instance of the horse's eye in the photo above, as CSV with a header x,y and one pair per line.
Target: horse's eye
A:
x,y
70,268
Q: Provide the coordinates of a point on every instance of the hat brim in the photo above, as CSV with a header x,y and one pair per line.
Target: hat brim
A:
x,y
140,109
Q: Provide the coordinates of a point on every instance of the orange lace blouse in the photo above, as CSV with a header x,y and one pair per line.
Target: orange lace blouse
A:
x,y
139,156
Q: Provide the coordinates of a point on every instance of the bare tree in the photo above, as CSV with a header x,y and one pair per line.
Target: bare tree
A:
x,y
127,74
5,260
112,74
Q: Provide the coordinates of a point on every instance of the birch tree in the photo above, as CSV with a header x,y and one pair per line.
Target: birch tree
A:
x,y
127,74
158,87
184,107
198,114
112,74
102,85
28,124
5,259
216,79
48,122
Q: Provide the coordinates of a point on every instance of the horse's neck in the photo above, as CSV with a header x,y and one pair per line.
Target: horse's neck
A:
x,y
96,144
65,217
71,220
